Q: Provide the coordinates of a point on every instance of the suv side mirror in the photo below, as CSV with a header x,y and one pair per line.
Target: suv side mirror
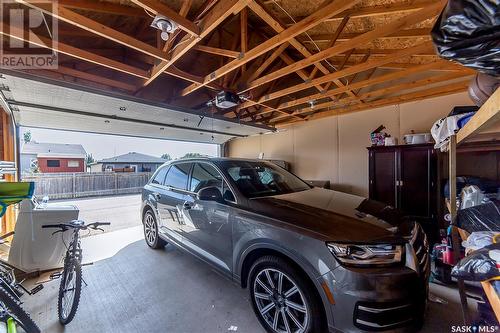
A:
x,y
210,194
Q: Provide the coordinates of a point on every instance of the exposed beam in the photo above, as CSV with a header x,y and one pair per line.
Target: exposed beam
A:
x,y
276,53
365,83
102,7
97,28
384,30
285,36
279,28
382,10
406,33
94,78
446,89
361,84
184,11
157,7
16,33
345,72
218,13
244,34
415,84
332,39
217,51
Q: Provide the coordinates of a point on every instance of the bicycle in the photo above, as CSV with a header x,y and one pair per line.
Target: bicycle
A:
x,y
71,276
11,312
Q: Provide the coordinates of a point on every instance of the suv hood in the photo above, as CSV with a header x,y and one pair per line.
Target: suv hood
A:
x,y
329,215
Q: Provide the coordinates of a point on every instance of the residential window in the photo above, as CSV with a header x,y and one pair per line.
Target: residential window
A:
x,y
53,163
73,164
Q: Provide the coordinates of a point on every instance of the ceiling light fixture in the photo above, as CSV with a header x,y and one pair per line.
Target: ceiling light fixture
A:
x,y
165,25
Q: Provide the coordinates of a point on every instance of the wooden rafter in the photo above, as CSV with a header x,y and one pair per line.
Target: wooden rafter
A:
x,y
97,28
285,36
157,7
102,7
244,34
16,33
446,89
217,51
345,72
218,13
371,11
415,84
269,60
365,83
361,84
406,33
184,11
443,90
384,30
94,78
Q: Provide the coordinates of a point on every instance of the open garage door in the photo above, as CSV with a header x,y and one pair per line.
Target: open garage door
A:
x,y
45,103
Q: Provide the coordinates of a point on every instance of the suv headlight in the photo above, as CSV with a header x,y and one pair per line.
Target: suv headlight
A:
x,y
367,255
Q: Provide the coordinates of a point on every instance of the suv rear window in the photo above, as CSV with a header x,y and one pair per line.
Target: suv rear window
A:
x,y
177,175
159,178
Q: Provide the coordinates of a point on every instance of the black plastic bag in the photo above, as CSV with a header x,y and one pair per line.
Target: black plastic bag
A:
x,y
468,31
484,217
478,266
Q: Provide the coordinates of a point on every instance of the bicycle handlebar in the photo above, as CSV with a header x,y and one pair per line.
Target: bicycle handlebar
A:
x,y
82,226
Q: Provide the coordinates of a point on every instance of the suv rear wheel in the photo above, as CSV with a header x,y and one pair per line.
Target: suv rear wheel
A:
x,y
151,231
282,298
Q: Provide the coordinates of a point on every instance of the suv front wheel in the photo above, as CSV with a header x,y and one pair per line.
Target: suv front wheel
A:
x,y
282,299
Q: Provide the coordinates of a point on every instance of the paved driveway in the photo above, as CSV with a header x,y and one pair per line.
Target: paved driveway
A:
x,y
122,211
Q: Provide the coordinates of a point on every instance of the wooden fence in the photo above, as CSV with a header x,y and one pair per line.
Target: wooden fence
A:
x,y
77,185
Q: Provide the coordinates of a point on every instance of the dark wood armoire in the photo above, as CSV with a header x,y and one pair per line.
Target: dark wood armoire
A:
x,y
406,177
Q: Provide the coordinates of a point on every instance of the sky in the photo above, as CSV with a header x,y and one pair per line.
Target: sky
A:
x,y
105,146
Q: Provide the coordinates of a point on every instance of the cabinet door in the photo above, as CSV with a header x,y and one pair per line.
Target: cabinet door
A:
x,y
415,181
383,176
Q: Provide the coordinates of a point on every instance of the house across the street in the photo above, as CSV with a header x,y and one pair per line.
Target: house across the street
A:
x,y
131,162
52,157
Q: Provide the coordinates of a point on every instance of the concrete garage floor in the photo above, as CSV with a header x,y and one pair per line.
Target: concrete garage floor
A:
x,y
141,290
132,288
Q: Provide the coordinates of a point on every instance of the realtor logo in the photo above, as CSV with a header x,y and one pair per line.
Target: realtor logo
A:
x,y
28,34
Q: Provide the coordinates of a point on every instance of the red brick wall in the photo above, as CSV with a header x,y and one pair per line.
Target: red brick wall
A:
x,y
63,165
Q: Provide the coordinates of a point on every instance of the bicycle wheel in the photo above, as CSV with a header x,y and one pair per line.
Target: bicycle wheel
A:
x,y
69,291
13,308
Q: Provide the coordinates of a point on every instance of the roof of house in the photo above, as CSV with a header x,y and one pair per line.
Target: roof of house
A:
x,y
46,149
133,157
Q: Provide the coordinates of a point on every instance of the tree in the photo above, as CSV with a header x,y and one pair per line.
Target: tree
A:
x,y
89,159
192,155
166,157
27,136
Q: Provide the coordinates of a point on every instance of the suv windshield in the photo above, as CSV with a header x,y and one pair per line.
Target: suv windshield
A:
x,y
258,179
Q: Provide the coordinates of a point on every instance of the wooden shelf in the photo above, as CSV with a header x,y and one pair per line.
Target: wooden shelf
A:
x,y
484,122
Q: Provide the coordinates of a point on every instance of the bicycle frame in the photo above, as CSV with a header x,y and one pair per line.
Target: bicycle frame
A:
x,y
74,250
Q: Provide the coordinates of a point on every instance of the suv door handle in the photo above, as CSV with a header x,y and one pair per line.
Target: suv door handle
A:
x,y
187,205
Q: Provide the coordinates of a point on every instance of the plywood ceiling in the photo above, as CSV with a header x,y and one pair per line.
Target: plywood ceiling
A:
x,y
291,60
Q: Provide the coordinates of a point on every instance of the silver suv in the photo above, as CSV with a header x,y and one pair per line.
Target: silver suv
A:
x,y
313,259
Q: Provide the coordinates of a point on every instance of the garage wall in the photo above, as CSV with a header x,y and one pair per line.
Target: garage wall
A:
x,y
334,148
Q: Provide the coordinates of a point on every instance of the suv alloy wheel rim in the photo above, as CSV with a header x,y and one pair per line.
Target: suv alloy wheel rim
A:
x,y
149,229
280,301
